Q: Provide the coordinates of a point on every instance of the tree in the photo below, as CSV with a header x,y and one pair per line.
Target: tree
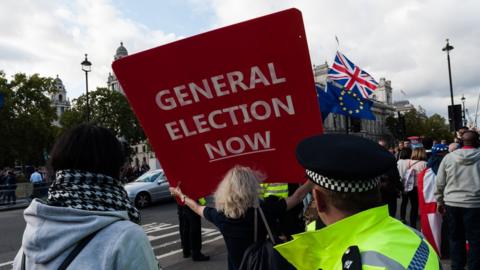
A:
x,y
418,124
436,128
109,109
27,132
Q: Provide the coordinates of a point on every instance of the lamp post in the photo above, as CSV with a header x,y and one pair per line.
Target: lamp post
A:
x,y
87,67
447,49
463,111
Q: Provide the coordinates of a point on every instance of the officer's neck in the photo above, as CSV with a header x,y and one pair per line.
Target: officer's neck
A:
x,y
333,215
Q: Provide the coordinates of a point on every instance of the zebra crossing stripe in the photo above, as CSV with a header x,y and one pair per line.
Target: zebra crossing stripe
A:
x,y
157,229
173,252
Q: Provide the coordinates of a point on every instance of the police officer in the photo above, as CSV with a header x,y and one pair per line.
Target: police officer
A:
x,y
359,234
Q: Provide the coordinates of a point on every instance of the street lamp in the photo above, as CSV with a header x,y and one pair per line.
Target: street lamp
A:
x,y
87,67
447,49
463,113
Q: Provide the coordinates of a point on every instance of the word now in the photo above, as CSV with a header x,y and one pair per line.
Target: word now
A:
x,y
238,146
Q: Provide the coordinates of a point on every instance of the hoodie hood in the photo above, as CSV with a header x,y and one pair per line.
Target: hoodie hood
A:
x,y
466,156
51,230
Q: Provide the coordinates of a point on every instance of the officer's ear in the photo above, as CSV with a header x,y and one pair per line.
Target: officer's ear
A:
x,y
320,200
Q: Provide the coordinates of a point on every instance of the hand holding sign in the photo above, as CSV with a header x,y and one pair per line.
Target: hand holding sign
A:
x,y
242,94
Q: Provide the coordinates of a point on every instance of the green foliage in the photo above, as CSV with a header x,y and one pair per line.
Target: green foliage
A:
x,y
109,109
416,124
26,130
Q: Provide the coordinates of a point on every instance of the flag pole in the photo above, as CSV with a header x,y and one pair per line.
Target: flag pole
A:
x,y
476,110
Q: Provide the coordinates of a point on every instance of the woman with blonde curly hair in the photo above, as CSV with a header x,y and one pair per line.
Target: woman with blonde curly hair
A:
x,y
235,199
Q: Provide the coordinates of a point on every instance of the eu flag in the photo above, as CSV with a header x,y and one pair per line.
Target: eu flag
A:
x,y
327,100
2,100
335,98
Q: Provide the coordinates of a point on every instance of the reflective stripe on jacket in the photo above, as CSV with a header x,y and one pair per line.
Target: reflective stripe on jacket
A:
x,y
384,243
275,189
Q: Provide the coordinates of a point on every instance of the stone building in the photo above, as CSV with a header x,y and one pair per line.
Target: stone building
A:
x,y
59,100
403,106
112,80
382,108
143,154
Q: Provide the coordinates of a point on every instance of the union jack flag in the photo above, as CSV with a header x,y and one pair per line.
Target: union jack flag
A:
x,y
346,73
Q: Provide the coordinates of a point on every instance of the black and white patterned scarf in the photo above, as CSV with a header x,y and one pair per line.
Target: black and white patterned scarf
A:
x,y
90,191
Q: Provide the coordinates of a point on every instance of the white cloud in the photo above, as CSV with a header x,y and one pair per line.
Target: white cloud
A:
x,y
399,40
51,37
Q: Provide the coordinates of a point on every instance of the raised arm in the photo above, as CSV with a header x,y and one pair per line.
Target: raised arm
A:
x,y
299,194
198,209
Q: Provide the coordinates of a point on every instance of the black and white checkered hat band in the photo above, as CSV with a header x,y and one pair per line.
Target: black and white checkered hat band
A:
x,y
341,185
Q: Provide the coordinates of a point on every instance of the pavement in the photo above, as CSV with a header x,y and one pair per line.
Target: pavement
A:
x,y
19,204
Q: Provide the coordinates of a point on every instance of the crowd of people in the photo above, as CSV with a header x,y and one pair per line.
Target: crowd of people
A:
x,y
446,179
349,195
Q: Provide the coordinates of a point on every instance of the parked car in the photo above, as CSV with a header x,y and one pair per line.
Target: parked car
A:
x,y
150,187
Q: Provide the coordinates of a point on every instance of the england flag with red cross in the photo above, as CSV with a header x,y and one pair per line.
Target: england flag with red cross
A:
x,y
346,73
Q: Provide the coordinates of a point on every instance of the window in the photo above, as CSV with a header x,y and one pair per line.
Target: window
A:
x,y
60,98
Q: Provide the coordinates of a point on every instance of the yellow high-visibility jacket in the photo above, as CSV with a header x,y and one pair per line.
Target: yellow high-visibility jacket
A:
x,y
275,189
384,243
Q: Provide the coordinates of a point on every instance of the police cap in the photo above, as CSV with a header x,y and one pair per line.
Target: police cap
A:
x,y
344,163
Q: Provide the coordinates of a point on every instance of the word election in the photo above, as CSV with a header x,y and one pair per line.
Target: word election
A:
x,y
250,110
192,93
234,115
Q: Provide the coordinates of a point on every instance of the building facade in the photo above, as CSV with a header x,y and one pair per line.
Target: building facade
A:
x,y
382,108
59,100
142,153
112,81
403,106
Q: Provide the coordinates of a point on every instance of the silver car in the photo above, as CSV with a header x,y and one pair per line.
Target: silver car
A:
x,y
150,187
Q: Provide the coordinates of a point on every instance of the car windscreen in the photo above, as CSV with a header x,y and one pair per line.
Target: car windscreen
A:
x,y
149,177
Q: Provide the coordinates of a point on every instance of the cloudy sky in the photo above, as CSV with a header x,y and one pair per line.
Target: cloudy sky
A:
x,y
399,40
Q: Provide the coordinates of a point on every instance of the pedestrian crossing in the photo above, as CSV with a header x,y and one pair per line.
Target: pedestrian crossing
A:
x,y
164,238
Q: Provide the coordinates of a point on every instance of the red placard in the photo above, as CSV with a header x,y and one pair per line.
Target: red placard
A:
x,y
242,94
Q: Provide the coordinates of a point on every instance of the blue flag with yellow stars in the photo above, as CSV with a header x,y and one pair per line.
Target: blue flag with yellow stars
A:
x,y
327,100
2,101
335,98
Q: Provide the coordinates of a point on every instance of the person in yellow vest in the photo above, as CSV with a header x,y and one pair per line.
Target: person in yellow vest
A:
x,y
291,222
279,190
359,232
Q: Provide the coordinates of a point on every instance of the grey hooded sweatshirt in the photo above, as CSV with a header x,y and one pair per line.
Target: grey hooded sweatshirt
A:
x,y
53,232
458,179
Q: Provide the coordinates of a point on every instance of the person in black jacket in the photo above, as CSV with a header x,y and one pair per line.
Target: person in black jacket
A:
x,y
235,201
3,179
10,188
390,186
